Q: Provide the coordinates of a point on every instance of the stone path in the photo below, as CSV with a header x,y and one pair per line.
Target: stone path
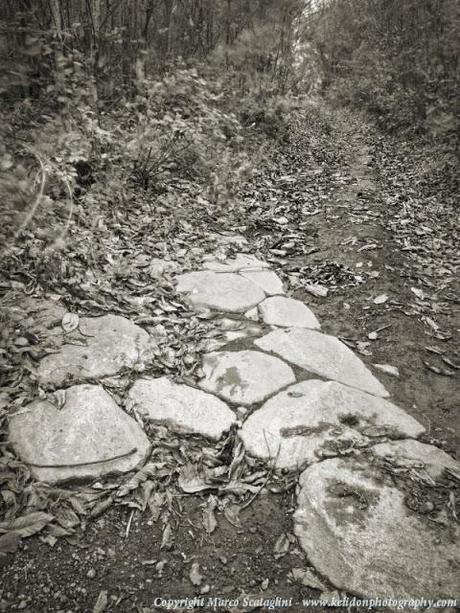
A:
x,y
310,404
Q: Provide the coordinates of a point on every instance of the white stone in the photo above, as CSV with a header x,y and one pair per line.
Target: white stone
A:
x,y
80,439
220,291
356,530
287,312
183,408
242,261
388,369
322,355
311,419
244,377
111,343
266,279
410,453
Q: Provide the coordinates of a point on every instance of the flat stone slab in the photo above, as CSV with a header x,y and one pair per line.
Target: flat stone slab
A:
x,y
88,437
183,408
357,531
244,377
111,343
413,454
322,355
316,419
266,279
287,312
241,262
220,291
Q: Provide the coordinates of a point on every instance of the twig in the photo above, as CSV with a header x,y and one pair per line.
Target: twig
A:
x,y
128,526
92,463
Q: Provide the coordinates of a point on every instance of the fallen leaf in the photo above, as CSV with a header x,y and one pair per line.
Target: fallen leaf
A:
x,y
282,545
9,542
306,577
388,369
194,575
231,513
190,481
209,518
167,537
317,290
101,602
27,525
155,504
418,292
381,299
70,322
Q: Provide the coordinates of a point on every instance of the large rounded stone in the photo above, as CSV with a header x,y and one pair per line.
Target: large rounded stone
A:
x,y
244,377
313,419
287,312
111,343
357,531
220,291
183,408
322,355
87,438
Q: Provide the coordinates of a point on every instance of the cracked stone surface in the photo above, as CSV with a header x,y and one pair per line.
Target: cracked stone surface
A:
x,y
111,343
316,419
410,453
183,408
89,429
226,292
287,312
241,262
244,377
357,531
322,355
265,279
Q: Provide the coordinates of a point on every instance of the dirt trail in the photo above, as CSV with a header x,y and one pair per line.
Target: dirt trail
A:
x,y
120,555
353,231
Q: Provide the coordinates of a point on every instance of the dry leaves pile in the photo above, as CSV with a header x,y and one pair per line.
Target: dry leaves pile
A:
x,y
227,480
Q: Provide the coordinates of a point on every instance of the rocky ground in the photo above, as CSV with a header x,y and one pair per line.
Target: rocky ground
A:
x,y
278,422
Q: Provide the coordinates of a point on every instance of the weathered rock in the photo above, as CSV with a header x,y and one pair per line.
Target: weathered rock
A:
x,y
244,377
313,419
241,262
266,279
410,453
357,531
322,355
287,312
112,343
183,408
88,437
221,291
